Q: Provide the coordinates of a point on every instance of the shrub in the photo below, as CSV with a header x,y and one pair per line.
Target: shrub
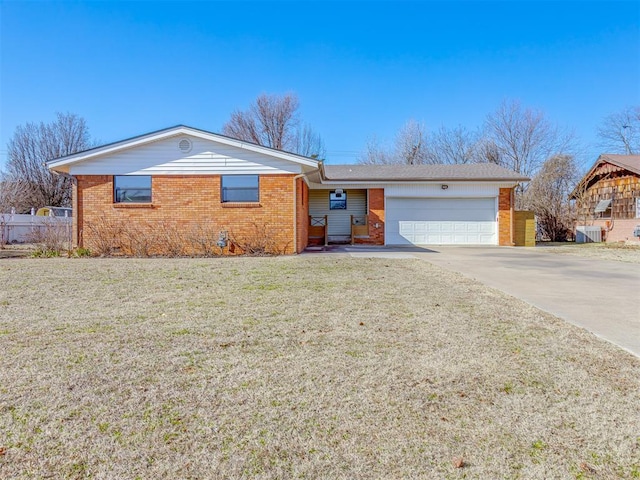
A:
x,y
105,236
139,239
81,252
110,236
260,240
170,240
51,236
44,253
203,240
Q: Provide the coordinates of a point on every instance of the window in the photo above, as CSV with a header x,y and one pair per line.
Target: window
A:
x,y
132,189
603,209
240,188
338,200
638,207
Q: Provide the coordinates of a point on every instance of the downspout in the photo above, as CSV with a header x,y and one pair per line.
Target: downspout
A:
x,y
512,217
295,200
295,210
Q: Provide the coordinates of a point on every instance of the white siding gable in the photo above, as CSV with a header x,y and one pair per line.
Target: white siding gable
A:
x,y
164,157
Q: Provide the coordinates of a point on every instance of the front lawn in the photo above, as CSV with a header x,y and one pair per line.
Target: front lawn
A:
x,y
299,367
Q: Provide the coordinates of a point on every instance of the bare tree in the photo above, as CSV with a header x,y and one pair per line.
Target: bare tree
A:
x,y
456,146
376,153
309,143
488,151
411,143
548,196
10,191
410,147
620,132
580,200
523,138
34,144
274,121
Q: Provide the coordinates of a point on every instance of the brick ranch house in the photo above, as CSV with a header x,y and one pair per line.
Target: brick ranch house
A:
x,y
190,178
608,196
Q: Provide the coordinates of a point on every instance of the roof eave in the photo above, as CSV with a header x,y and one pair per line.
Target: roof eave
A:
x,y
606,157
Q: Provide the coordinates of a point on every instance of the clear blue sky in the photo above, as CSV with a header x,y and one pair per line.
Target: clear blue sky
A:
x,y
359,68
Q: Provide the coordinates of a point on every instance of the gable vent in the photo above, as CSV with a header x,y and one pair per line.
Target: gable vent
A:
x,y
185,145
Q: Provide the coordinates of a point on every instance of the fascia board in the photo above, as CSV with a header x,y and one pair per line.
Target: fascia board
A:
x,y
501,181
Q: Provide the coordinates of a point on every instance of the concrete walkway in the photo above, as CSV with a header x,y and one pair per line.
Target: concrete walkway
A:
x,y
599,295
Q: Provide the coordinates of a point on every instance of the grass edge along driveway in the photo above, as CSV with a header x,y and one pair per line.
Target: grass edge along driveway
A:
x,y
299,367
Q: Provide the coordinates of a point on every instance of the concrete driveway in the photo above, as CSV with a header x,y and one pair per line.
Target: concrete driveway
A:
x,y
599,295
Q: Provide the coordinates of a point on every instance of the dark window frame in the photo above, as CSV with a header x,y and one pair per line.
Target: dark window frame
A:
x,y
118,196
234,195
337,203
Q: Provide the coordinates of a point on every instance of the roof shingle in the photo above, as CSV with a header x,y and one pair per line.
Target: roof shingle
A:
x,y
629,162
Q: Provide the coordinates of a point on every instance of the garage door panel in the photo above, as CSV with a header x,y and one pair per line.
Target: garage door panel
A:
x,y
441,221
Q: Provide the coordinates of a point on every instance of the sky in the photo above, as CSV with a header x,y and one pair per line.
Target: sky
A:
x,y
361,69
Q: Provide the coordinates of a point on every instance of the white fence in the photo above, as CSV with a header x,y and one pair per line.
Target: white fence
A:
x,y
16,228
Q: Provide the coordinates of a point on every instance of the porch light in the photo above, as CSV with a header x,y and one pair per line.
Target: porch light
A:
x,y
444,187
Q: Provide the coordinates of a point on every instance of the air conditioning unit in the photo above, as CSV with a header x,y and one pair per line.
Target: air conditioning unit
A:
x,y
588,234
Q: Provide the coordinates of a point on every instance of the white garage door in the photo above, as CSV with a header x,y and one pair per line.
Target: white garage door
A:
x,y
441,221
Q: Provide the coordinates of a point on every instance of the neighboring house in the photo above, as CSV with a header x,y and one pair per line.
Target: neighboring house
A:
x,y
190,178
608,196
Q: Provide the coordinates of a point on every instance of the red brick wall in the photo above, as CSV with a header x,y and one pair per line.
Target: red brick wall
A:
x,y
504,217
618,230
302,215
190,201
376,216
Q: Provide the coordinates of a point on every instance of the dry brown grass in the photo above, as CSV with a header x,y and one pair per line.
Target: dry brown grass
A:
x,y
299,367
603,251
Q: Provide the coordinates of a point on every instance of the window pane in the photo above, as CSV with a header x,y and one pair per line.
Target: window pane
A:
x,y
132,188
240,188
338,200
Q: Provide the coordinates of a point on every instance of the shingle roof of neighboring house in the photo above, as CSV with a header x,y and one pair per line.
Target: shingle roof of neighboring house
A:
x,y
628,162
407,173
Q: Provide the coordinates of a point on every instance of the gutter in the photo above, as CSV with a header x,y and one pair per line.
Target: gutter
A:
x,y
420,180
512,215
